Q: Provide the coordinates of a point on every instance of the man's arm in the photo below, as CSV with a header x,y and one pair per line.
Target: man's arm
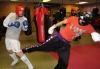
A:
x,y
51,29
61,23
7,19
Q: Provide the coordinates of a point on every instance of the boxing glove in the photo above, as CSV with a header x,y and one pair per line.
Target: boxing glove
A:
x,y
15,24
25,25
51,29
95,36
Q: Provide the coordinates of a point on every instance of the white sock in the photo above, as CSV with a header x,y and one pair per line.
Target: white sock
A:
x,y
14,57
26,61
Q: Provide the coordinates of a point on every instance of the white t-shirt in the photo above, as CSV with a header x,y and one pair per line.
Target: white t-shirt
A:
x,y
13,32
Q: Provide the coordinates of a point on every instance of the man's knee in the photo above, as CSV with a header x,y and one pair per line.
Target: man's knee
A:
x,y
20,54
10,51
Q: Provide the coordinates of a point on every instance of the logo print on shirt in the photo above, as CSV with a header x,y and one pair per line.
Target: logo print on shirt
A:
x,y
77,30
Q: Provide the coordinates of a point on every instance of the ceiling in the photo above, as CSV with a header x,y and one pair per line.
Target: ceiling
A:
x,y
57,1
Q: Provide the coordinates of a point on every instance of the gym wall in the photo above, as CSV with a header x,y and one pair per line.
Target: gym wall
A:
x,y
7,7
91,6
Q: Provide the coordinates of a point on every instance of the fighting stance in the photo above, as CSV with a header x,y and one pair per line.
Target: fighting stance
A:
x,y
60,42
15,22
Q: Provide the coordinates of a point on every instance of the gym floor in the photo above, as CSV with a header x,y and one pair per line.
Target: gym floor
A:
x,y
40,60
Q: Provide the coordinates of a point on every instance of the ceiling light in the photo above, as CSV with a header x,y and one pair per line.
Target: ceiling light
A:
x,y
81,3
46,0
14,0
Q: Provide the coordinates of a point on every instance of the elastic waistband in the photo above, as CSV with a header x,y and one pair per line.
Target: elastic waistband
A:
x,y
61,38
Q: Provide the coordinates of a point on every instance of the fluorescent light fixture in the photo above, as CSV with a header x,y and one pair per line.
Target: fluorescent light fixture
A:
x,y
81,3
14,0
46,0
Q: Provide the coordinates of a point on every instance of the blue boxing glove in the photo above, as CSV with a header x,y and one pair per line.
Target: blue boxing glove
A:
x,y
15,24
25,25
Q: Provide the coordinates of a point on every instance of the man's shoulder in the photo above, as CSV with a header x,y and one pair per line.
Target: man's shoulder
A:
x,y
12,14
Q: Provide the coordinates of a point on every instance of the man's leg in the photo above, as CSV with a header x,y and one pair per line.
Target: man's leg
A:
x,y
11,53
14,57
16,48
61,64
63,54
25,59
49,45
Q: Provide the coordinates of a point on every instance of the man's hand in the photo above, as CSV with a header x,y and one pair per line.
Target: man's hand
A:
x,y
95,37
51,29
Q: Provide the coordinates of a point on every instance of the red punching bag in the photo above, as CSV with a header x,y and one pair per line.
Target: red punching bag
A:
x,y
41,20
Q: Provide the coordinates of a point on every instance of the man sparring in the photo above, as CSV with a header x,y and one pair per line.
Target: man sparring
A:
x,y
60,42
15,22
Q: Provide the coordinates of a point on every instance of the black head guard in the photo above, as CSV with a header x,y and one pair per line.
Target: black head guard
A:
x,y
86,17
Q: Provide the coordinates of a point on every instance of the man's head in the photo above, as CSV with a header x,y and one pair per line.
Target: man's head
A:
x,y
20,10
85,19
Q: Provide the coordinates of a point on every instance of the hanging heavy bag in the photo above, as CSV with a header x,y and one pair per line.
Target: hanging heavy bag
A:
x,y
95,12
0,29
41,20
63,11
59,16
27,15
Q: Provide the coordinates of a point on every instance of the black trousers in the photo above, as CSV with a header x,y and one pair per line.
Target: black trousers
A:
x,y
54,44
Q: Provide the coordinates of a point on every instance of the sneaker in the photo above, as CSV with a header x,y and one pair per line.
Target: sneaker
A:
x,y
30,66
14,62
